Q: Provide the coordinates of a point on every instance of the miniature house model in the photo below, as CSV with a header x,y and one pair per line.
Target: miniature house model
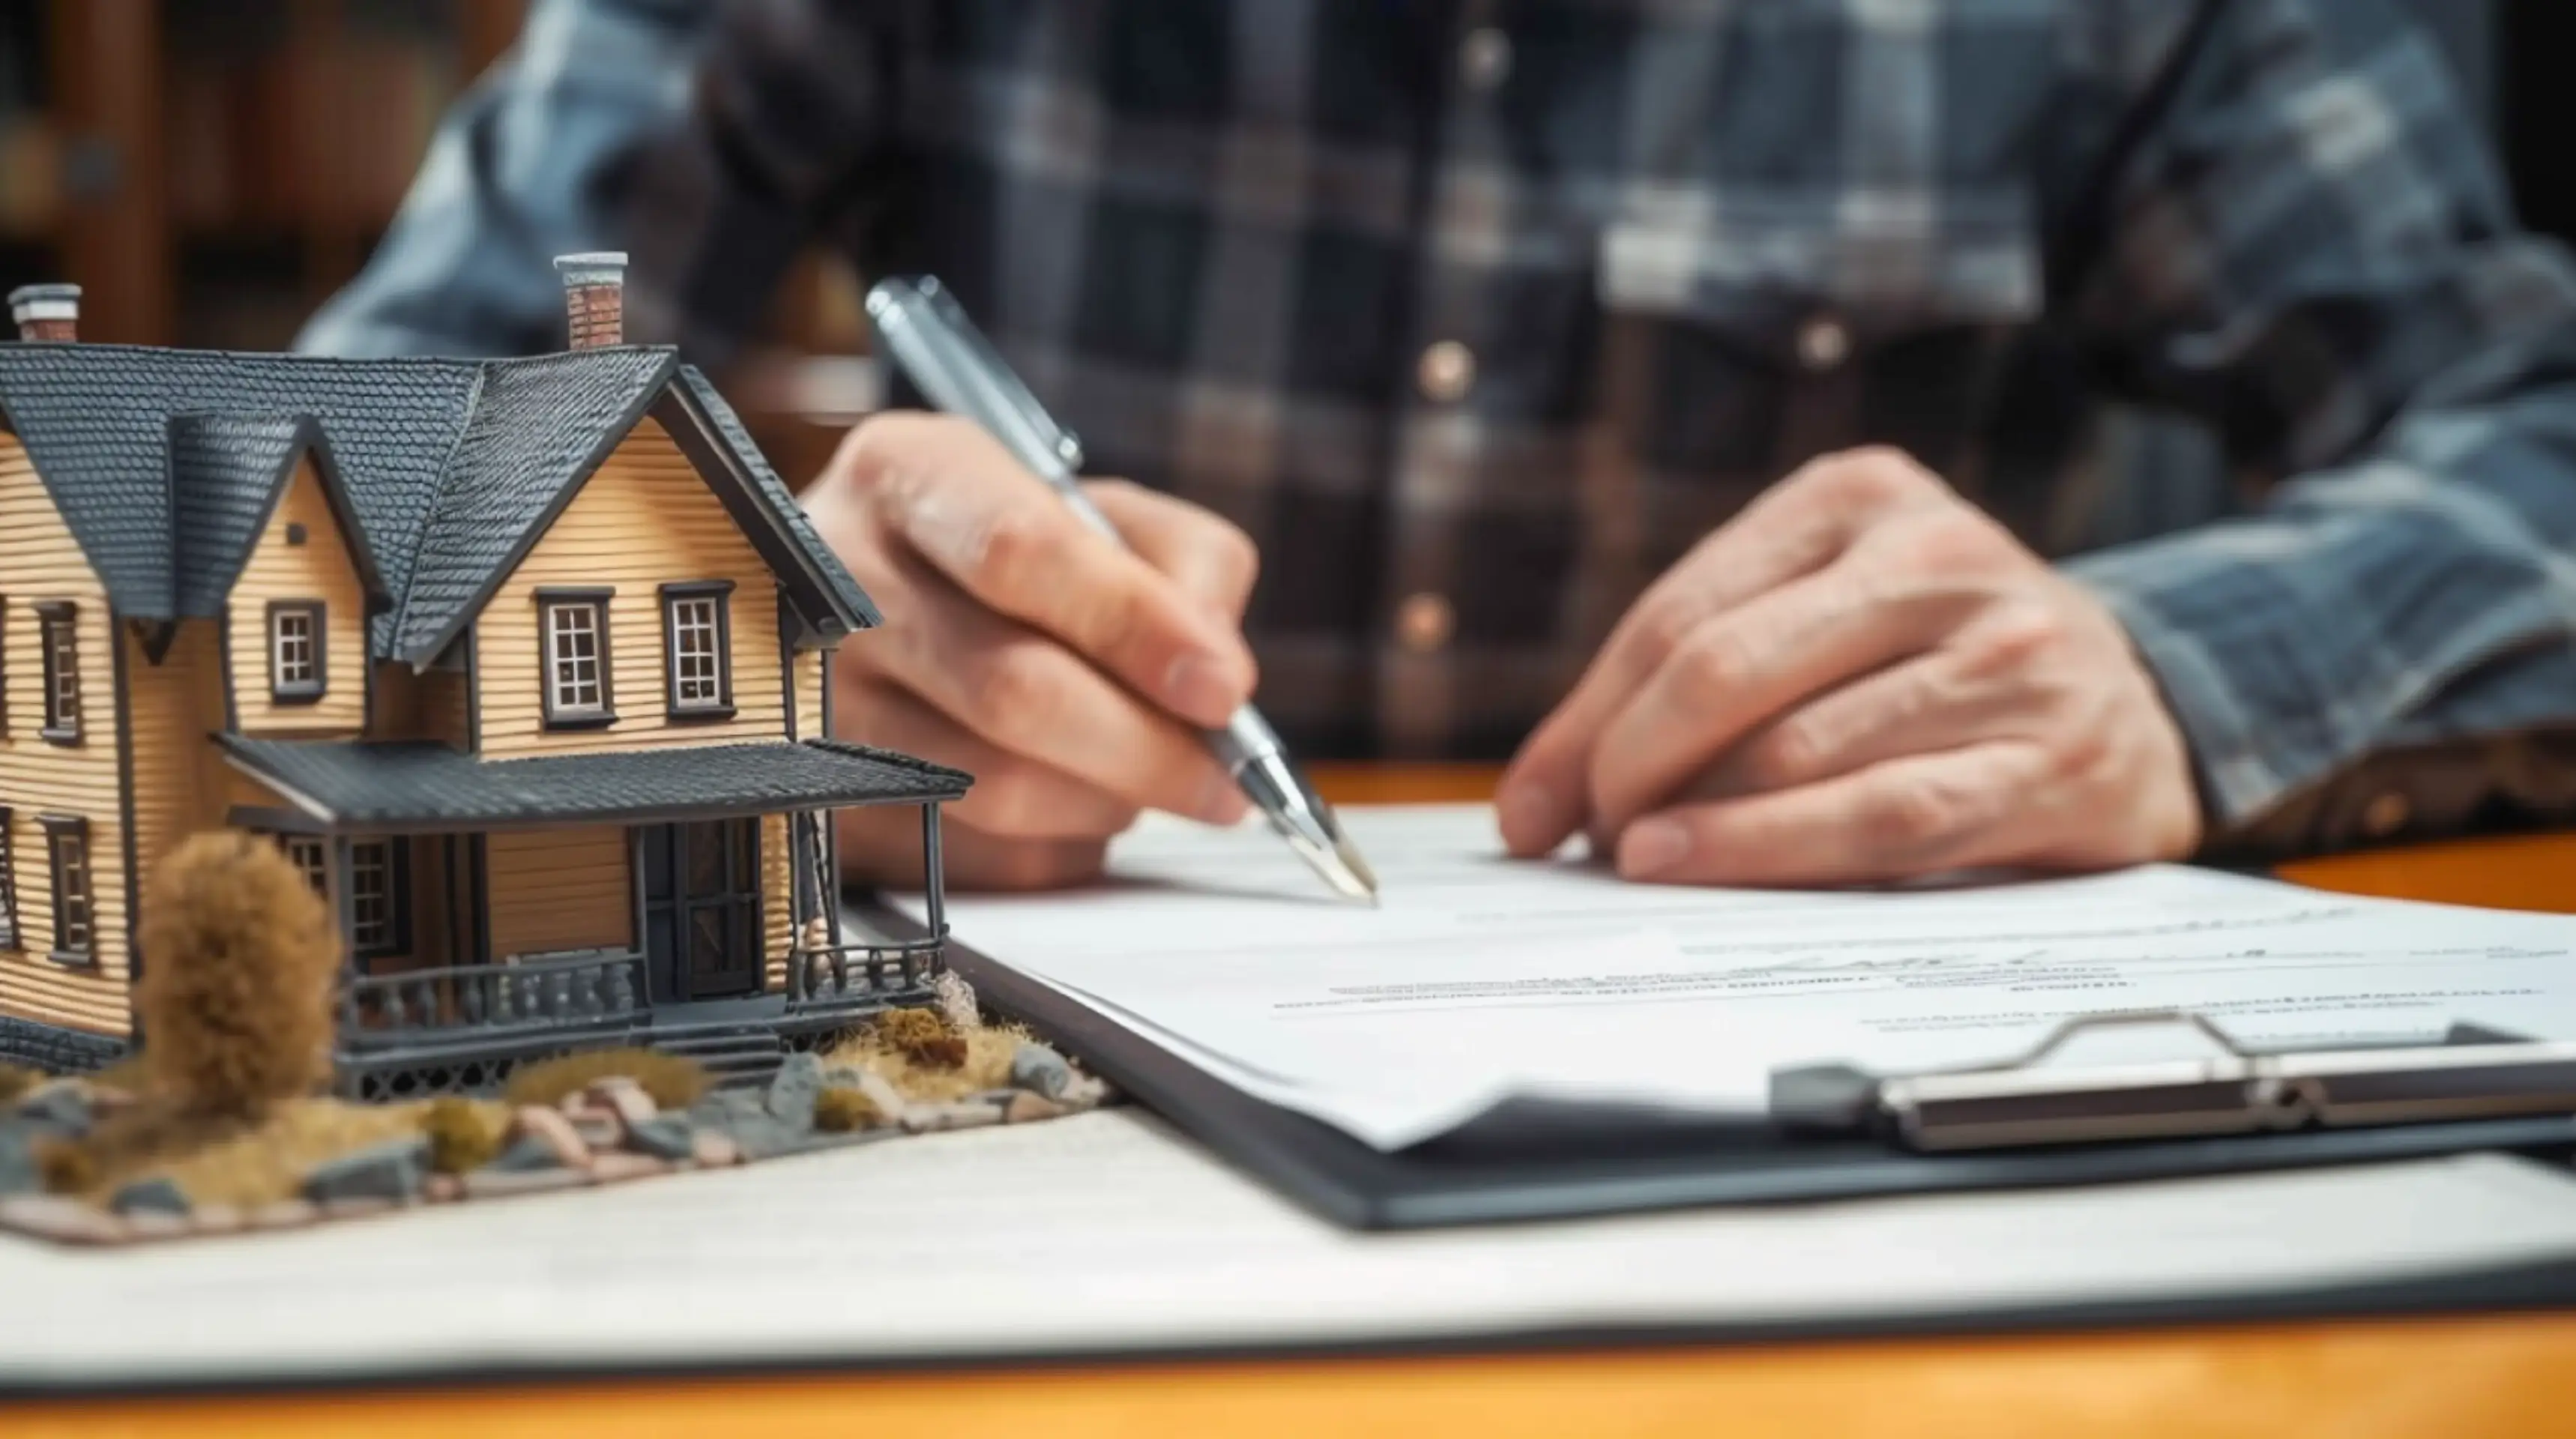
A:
x,y
526,662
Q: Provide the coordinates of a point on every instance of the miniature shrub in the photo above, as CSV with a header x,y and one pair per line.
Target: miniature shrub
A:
x,y
840,1109
66,1168
675,1081
923,1036
460,1139
236,1000
16,1080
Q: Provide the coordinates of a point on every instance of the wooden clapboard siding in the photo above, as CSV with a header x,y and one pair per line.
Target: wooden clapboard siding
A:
x,y
560,889
39,561
318,569
809,695
643,520
172,707
777,910
420,705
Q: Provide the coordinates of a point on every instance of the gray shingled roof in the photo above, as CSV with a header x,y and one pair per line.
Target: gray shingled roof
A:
x,y
447,466
360,786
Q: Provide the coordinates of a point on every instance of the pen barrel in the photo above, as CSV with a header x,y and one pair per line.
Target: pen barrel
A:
x,y
1245,739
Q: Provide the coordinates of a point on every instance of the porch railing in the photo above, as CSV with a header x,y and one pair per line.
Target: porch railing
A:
x,y
593,989
850,973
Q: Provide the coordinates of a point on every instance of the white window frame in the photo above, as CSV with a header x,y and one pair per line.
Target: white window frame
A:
x,y
291,677
697,646
574,700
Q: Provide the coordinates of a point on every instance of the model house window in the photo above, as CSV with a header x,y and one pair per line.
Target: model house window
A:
x,y
75,916
309,854
295,650
8,883
379,898
62,670
574,629
697,659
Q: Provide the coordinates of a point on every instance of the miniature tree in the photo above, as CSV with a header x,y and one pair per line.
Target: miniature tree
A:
x,y
240,957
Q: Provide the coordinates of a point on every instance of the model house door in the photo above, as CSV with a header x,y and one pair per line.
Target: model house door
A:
x,y
702,908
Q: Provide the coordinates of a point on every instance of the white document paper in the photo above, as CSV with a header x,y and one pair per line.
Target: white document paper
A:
x,y
1101,1233
1482,979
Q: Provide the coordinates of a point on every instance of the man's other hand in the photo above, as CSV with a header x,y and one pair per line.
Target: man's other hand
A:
x,y
1069,675
1861,677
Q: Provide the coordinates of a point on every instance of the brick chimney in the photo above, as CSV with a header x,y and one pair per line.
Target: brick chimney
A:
x,y
46,312
594,297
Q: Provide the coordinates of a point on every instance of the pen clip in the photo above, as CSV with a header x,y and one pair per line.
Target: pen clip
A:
x,y
958,369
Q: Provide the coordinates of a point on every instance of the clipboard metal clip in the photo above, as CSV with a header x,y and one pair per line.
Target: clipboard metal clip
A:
x,y
2472,1073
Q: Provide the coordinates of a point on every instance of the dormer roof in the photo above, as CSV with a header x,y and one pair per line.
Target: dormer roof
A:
x,y
164,463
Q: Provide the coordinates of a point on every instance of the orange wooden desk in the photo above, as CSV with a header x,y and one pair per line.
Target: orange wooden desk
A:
x,y
2461,1377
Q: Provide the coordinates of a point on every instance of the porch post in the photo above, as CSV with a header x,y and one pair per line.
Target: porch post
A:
x,y
931,901
343,902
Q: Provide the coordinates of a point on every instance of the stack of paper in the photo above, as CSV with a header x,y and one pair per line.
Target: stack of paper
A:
x,y
1483,979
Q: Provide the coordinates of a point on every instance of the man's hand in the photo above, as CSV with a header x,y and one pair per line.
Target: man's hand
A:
x,y
1067,674
1860,678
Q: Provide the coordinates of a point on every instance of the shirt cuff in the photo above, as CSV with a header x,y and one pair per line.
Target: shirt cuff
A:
x,y
2245,759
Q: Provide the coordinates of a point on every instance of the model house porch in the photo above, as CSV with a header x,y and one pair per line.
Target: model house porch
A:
x,y
495,911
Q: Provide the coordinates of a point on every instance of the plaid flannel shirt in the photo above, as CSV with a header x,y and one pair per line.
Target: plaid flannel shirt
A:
x,y
1476,314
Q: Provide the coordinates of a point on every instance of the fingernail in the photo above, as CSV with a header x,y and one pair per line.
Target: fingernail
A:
x,y
1652,846
1529,815
1195,688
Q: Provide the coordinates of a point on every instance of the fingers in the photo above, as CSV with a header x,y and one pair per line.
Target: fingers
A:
x,y
954,496
1013,797
1794,529
1992,681
1900,818
882,845
1027,696
1211,560
1739,669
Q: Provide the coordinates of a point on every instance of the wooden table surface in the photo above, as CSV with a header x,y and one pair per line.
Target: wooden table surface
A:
x,y
2451,1377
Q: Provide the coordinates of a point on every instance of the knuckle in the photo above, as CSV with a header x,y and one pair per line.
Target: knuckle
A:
x,y
2016,640
1913,814
1664,622
1007,543
1710,668
1021,691
1793,751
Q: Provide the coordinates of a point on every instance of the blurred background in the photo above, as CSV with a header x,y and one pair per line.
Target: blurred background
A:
x,y
212,170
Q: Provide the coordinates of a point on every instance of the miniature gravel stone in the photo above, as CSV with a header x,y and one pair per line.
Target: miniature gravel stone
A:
x,y
217,1219
612,1167
965,1114
711,1149
285,1214
956,1000
526,1154
157,1224
664,1136
547,1124
623,1096
17,1163
492,1184
66,1220
1040,1070
160,1195
1027,1106
392,1171
791,1093
60,1109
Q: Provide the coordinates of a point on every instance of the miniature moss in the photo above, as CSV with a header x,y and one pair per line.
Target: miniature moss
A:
x,y
839,1109
66,1167
675,1081
460,1137
987,1065
16,1080
923,1036
237,1000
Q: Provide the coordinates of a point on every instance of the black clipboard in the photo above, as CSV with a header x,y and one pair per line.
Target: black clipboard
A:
x,y
1533,1163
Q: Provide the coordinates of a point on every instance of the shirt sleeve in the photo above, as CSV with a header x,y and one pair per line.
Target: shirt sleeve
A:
x,y
2310,248
535,161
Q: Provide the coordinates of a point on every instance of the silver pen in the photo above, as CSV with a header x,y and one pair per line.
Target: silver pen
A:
x,y
924,331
